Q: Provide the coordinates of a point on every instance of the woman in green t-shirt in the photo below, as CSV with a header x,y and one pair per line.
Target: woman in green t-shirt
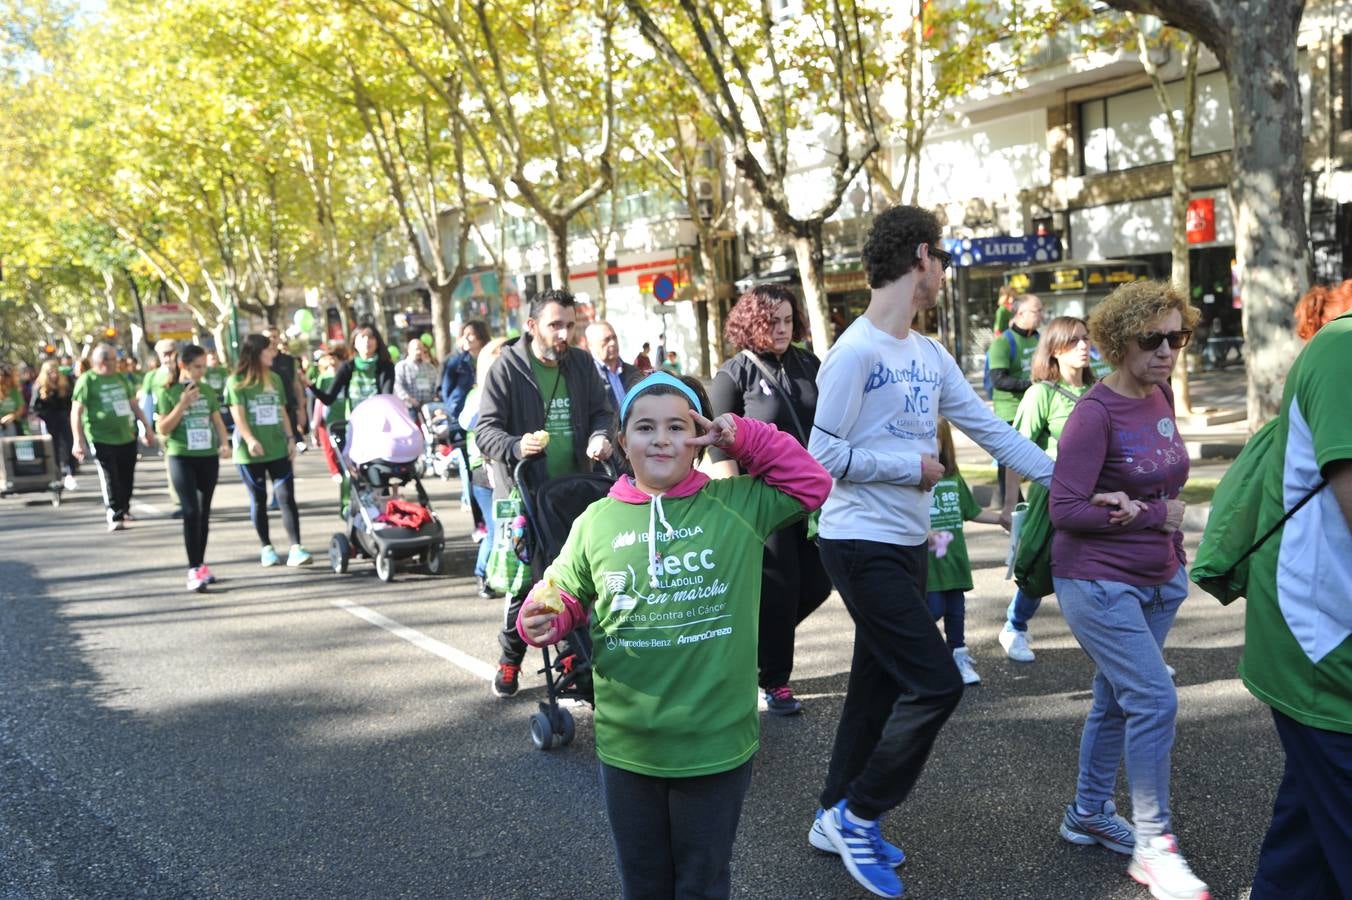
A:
x,y
263,448
12,406
1062,374
195,442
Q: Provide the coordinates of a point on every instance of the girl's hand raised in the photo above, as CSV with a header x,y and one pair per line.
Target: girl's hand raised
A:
x,y
721,432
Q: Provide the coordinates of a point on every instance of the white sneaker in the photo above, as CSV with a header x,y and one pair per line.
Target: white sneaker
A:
x,y
1157,864
963,659
1016,644
70,484
337,477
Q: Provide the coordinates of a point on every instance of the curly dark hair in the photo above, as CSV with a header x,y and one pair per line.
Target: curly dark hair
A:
x,y
544,298
752,319
889,251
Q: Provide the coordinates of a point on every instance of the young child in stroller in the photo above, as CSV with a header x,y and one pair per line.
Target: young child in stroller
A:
x,y
666,572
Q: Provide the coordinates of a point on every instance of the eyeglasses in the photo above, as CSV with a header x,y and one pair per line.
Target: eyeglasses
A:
x,y
1177,339
943,256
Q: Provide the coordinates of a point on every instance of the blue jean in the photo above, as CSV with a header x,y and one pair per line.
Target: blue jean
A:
x,y
951,606
1021,609
1308,848
484,497
1122,627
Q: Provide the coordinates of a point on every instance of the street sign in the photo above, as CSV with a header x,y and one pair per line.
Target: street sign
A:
x,y
664,289
169,321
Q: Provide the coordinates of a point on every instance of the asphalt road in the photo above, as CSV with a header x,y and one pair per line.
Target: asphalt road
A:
x,y
262,740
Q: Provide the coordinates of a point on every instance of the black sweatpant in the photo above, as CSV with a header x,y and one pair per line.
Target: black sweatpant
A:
x,y
793,584
194,477
63,442
673,836
117,473
903,683
255,477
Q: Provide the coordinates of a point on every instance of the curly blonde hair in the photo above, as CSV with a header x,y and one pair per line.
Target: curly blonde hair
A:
x,y
1130,311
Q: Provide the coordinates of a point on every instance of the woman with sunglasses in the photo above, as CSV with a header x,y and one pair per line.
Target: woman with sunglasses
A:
x,y
1120,585
1062,374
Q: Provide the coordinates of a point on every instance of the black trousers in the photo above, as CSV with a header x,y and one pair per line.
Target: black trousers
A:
x,y
673,836
793,584
63,442
194,478
255,477
903,683
117,473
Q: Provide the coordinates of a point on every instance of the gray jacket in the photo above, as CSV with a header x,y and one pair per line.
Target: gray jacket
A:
x,y
511,406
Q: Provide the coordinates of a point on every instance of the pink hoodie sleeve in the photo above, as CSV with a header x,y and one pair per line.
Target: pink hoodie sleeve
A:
x,y
573,614
780,461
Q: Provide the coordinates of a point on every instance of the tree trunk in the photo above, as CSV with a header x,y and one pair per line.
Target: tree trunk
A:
x,y
712,336
1271,242
807,247
441,317
558,252
602,264
1181,272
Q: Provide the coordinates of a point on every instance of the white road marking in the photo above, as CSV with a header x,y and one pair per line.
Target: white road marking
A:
x,y
476,667
146,508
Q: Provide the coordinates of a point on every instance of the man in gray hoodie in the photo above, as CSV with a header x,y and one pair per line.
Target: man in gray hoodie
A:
x,y
541,398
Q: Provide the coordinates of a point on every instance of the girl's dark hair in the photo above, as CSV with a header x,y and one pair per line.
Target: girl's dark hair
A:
x,y
186,357
382,353
948,454
752,319
1056,338
666,390
250,369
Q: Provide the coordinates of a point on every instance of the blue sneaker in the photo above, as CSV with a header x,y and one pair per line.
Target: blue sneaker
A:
x,y
861,849
298,556
268,557
1105,827
816,836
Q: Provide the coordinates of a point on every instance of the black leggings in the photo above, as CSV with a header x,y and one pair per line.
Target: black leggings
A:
x,y
194,477
255,477
793,584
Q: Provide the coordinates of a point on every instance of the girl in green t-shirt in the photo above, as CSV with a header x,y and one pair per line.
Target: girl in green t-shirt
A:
x,y
189,421
950,571
12,407
1062,373
263,447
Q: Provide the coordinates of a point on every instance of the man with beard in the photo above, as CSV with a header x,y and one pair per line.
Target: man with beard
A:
x,y
880,392
541,397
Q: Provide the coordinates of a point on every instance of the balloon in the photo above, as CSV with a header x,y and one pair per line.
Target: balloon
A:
x,y
394,353
304,320
427,341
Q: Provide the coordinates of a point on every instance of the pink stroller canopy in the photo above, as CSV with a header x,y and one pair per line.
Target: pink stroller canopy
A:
x,y
381,428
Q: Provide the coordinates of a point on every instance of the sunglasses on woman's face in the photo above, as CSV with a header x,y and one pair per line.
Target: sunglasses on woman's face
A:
x,y
1177,339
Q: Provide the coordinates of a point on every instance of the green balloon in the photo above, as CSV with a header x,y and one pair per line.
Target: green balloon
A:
x,y
394,353
427,341
304,320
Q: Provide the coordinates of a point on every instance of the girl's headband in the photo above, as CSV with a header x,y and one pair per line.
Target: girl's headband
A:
x,y
652,381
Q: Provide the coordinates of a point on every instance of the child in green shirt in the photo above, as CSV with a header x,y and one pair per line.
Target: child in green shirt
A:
x,y
666,573
950,572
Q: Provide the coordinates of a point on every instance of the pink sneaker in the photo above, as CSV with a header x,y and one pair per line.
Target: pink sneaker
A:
x,y
205,574
195,581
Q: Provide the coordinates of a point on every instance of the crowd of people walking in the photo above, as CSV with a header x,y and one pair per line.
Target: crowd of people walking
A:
x,y
686,584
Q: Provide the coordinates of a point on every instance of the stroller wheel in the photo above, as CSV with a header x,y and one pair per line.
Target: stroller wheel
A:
x,y
565,729
541,733
435,559
339,553
384,567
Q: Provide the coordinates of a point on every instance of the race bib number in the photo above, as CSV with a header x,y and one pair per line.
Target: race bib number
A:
x,y
200,438
122,406
266,415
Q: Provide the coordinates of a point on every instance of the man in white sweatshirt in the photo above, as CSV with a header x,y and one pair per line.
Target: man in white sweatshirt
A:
x,y
880,391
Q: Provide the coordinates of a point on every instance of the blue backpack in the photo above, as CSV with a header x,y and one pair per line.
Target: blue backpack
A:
x,y
986,383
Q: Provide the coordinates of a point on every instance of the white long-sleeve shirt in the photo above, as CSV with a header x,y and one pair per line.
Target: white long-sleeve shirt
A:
x,y
878,399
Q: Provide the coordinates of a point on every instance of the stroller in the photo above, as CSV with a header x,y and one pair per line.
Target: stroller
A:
x,y
28,465
550,506
442,440
384,454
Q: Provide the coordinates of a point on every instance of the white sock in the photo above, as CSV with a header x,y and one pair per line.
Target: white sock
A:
x,y
855,820
1081,811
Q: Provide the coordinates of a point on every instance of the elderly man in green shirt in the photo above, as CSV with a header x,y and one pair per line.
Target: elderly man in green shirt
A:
x,y
1010,361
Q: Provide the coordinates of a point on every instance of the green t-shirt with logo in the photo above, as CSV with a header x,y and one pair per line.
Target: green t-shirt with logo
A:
x,y
264,404
951,504
362,383
1043,412
559,459
107,408
675,662
195,435
1020,365
1298,616
217,376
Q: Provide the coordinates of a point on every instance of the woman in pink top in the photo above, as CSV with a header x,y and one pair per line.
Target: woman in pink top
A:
x,y
1120,585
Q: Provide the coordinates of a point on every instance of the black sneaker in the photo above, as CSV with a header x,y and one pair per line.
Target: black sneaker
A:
x,y
780,701
484,590
506,682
